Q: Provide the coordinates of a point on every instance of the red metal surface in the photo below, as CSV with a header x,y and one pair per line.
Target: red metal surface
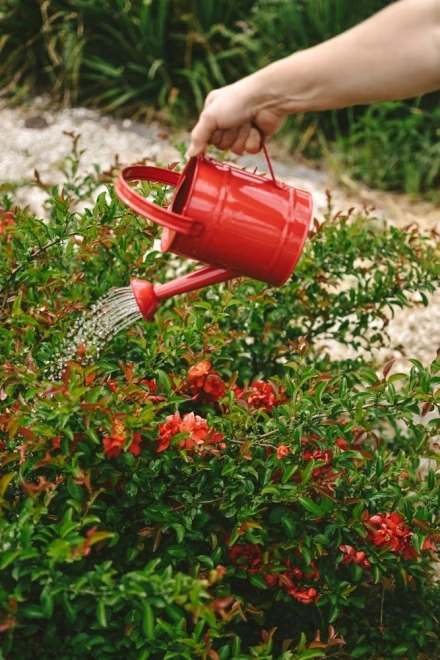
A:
x,y
148,297
237,222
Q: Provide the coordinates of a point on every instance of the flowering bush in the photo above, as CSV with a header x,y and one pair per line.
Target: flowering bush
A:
x,y
213,485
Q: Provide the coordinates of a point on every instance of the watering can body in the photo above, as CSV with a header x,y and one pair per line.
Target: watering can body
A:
x,y
240,223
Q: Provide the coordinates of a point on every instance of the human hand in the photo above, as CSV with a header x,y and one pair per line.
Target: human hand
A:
x,y
234,117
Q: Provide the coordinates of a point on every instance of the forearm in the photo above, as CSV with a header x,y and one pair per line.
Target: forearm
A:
x,y
393,55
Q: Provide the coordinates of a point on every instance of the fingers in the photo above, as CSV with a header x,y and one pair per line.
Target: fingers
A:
x,y
254,141
224,122
202,133
244,138
239,144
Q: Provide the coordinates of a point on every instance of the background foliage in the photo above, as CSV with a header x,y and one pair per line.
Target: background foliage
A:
x,y
213,485
142,56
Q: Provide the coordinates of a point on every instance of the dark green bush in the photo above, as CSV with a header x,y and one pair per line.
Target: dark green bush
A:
x,y
213,484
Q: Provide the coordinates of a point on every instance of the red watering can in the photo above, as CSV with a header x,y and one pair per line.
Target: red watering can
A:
x,y
239,223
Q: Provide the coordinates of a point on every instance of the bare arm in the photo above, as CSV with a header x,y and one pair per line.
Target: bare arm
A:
x,y
395,54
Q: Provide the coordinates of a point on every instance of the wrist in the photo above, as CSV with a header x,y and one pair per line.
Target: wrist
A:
x,y
291,85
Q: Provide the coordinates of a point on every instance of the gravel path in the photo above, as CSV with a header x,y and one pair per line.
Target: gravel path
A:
x,y
37,138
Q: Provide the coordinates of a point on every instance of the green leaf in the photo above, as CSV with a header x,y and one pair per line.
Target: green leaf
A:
x,y
399,650
147,621
31,612
8,557
311,506
47,602
310,654
180,532
258,581
289,525
101,614
306,473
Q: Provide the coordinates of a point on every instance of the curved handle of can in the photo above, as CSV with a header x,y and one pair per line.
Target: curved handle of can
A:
x,y
266,154
144,207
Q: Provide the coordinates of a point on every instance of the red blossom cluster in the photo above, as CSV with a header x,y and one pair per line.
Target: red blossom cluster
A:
x,y
249,556
321,456
290,581
352,556
114,443
200,435
388,530
204,383
260,395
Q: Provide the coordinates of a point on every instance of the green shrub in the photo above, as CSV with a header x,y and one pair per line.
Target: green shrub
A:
x,y
213,484
394,145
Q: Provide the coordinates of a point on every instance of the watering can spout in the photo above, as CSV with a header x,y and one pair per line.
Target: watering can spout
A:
x,y
148,297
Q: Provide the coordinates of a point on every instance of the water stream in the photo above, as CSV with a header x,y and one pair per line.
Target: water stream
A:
x,y
113,312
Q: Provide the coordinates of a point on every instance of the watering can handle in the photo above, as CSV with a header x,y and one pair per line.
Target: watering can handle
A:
x,y
144,207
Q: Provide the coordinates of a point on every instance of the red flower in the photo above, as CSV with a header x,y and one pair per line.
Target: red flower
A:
x,y
304,595
354,556
204,383
114,443
290,579
260,395
388,530
407,549
248,556
200,435
134,447
342,444
318,455
2,445
56,442
282,451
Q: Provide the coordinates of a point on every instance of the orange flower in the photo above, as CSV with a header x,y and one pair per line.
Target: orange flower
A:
x,y
354,556
388,530
260,395
282,451
204,383
114,443
200,435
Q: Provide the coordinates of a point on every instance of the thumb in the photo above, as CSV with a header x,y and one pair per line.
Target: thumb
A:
x,y
194,149
201,134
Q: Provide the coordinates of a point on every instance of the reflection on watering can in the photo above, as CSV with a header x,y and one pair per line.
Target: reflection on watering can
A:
x,y
239,223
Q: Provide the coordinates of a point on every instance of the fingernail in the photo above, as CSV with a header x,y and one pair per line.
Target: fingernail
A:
x,y
191,151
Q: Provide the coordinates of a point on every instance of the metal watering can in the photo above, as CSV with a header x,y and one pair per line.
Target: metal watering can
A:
x,y
239,223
